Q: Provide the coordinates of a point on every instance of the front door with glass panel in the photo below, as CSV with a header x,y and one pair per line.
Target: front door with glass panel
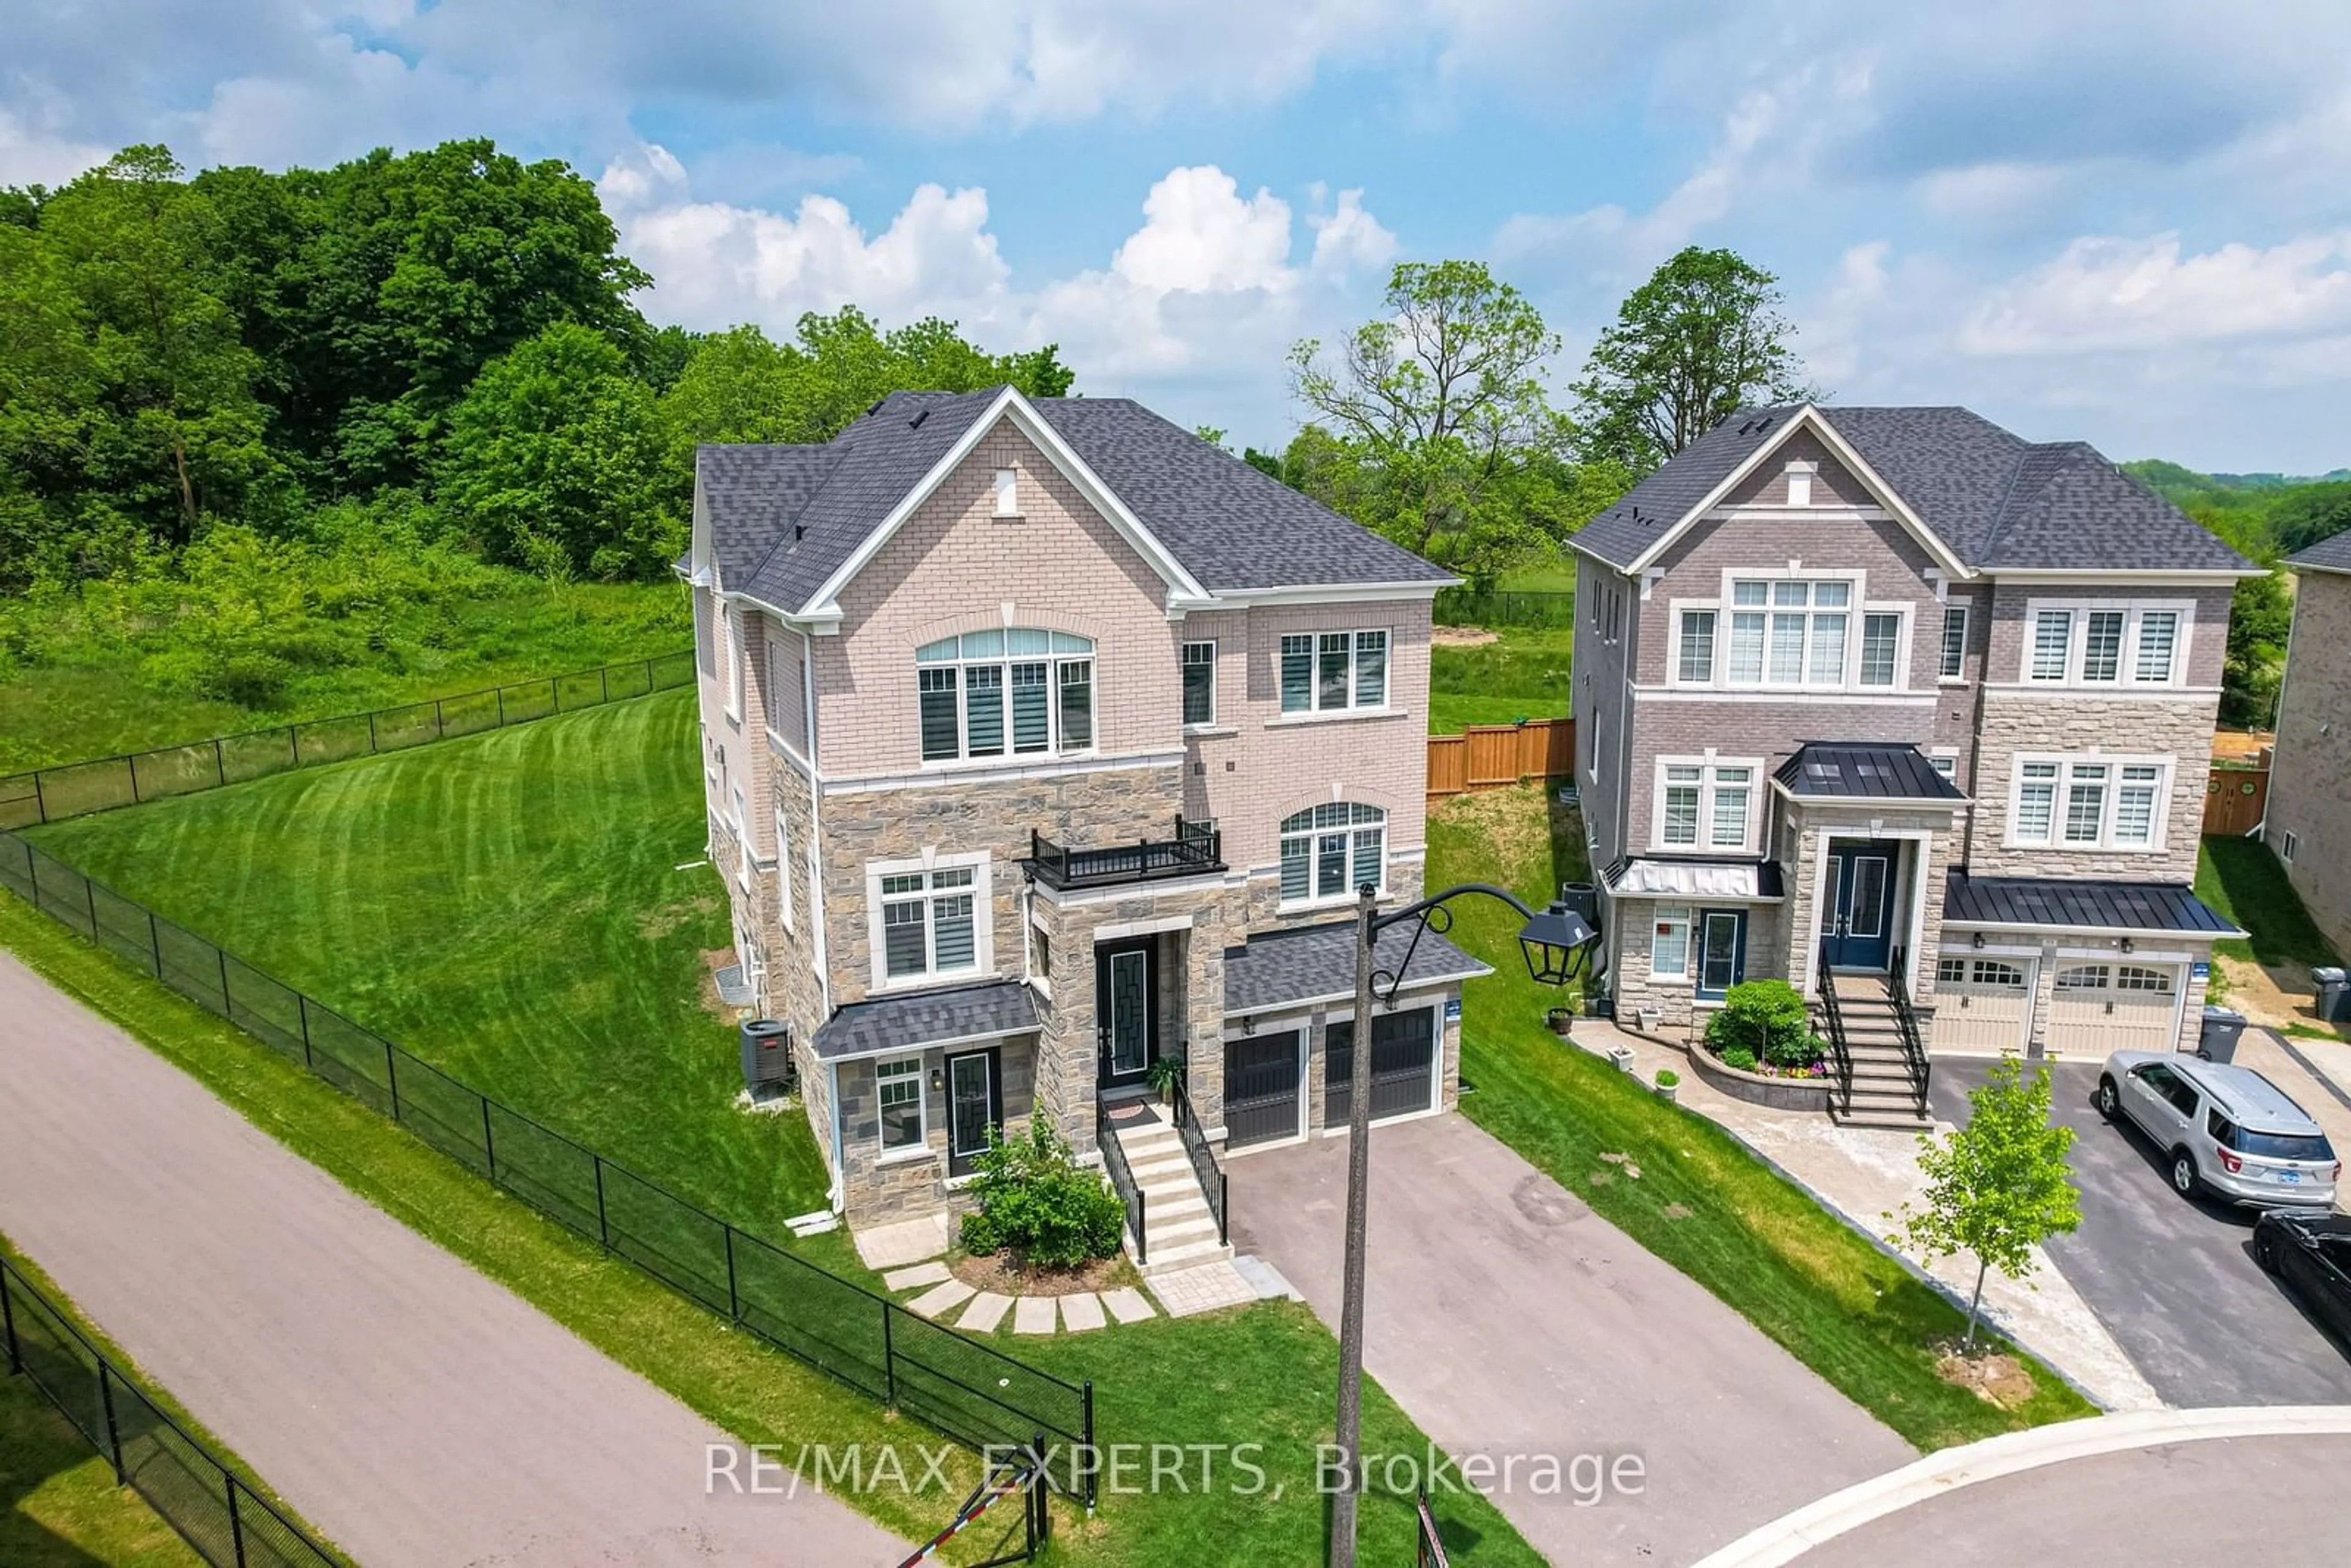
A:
x,y
1858,912
1125,999
972,1107
1721,951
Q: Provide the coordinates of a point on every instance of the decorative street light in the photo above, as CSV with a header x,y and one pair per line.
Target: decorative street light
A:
x,y
1555,943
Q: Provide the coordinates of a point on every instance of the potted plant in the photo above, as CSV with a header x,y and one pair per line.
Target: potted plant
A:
x,y
1559,1021
1165,1075
1668,1081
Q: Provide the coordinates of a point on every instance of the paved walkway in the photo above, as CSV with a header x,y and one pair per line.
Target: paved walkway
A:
x,y
1508,1318
1869,1173
415,1411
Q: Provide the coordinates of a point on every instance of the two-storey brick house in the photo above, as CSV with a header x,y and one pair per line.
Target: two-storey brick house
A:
x,y
1043,739
1892,692
2308,819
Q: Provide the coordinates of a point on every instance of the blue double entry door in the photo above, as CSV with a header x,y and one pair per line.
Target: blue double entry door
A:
x,y
1857,908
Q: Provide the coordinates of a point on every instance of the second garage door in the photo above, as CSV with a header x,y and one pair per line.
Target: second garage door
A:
x,y
1404,1066
2099,1008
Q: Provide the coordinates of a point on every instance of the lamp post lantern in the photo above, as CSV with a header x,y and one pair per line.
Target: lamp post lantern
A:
x,y
1555,942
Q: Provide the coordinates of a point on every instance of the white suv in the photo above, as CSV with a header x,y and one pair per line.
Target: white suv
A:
x,y
2226,1129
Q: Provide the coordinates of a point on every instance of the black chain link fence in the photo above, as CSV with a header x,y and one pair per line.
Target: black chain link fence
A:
x,y
1470,606
102,783
227,1523
963,1388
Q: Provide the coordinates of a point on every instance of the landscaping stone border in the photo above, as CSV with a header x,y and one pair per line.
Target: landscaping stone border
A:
x,y
1778,1093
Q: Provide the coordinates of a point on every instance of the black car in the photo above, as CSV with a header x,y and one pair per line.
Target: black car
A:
x,y
2312,1254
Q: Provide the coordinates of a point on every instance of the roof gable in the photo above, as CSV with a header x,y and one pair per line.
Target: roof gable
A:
x,y
2330,554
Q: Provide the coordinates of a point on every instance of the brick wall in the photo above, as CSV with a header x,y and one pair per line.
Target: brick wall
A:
x,y
2310,782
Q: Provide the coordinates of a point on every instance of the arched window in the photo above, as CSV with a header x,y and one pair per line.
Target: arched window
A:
x,y
1019,691
1328,851
2082,977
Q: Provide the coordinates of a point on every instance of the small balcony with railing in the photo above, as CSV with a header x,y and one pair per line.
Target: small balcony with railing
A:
x,y
1196,849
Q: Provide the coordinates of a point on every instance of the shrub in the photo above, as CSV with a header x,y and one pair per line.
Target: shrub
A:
x,y
1038,1203
1738,1056
1768,1018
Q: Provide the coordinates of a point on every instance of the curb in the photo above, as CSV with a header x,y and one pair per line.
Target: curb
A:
x,y
1789,1537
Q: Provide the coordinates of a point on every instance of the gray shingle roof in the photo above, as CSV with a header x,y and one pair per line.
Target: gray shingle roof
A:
x,y
1282,968
909,1022
2330,554
1864,769
1998,502
784,518
2052,902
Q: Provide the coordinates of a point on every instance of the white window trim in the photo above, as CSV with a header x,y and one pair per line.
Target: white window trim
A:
x,y
2287,844
1858,606
1966,614
1007,493
1203,726
1676,609
1685,915
1756,785
2077,644
1386,826
733,657
1351,708
916,1151
2066,763
784,870
983,920
1054,750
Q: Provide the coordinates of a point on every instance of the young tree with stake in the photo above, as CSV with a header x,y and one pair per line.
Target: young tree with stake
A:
x,y
1999,1187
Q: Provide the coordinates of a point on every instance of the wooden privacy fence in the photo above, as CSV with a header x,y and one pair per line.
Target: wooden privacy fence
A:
x,y
2235,800
1492,756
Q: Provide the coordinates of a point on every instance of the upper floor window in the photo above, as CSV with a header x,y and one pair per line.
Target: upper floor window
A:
x,y
1329,851
1955,643
930,924
1199,682
1881,639
1789,634
2104,644
1705,805
2087,803
731,651
1694,662
783,868
1007,492
1023,692
1326,672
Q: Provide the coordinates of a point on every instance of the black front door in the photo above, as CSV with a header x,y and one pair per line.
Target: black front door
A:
x,y
974,1103
1857,909
1126,1008
1261,1083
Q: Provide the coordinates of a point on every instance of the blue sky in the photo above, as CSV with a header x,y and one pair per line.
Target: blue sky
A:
x,y
2125,221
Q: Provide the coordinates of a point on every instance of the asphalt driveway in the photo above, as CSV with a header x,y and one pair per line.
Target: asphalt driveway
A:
x,y
1508,1318
2174,1281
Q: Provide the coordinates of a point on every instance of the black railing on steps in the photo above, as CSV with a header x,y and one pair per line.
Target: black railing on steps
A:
x,y
1914,1047
1839,1055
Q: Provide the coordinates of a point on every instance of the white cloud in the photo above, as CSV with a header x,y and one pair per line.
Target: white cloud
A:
x,y
2104,295
30,156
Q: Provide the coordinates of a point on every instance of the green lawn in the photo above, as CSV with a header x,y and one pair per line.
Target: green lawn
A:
x,y
88,698
1703,1203
506,906
1522,675
2243,881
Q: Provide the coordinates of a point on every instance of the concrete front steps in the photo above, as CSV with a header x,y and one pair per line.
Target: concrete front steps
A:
x,y
1882,1095
1179,1231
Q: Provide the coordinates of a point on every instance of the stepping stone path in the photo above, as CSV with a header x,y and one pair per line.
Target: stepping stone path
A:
x,y
1034,1315
986,1310
1127,1305
940,1297
1082,1312
909,1251
920,1274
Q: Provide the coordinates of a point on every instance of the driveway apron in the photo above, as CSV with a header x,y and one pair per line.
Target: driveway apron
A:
x,y
1507,1318
415,1411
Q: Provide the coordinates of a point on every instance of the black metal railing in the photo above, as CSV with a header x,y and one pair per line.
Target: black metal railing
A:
x,y
949,1381
1205,1167
1833,1016
1431,1552
1471,606
1914,1045
1122,1180
103,783
221,1517
1198,848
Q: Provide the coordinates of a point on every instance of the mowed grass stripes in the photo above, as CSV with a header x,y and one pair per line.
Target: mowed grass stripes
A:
x,y
510,908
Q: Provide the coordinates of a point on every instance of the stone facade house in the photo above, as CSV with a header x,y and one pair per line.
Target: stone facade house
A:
x,y
2308,819
1043,739
1895,695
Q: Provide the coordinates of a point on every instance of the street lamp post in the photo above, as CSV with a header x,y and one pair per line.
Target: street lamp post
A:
x,y
1553,941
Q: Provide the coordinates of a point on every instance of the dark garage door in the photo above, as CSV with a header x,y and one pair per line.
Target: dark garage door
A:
x,y
1261,1087
1404,1065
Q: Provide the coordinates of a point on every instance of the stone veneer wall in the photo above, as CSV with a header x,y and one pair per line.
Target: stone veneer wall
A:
x,y
875,1187
2179,728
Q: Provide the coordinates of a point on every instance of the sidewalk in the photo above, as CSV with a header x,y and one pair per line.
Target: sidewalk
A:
x,y
412,1409
1866,1175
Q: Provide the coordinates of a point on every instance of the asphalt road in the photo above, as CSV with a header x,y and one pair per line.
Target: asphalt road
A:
x,y
413,1410
2174,1281
1508,1318
2263,1501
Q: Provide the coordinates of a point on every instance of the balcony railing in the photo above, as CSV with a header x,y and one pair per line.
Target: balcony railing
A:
x,y
1196,850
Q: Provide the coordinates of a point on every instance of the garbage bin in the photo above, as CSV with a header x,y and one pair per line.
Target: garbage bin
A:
x,y
766,1053
2218,1039
2334,994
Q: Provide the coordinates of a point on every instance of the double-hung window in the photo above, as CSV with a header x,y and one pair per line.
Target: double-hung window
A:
x,y
1881,639
2097,803
1669,944
1705,805
1694,663
898,1096
1199,682
1954,663
1329,851
2104,644
1019,691
1788,633
930,922
1329,671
